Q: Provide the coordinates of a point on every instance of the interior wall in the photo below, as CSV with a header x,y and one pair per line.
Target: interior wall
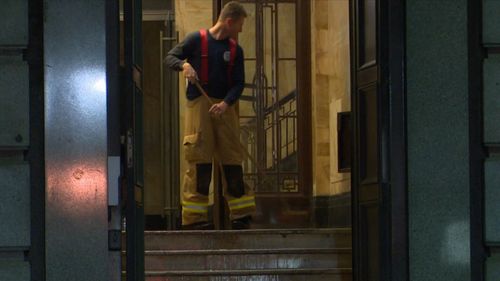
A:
x,y
330,91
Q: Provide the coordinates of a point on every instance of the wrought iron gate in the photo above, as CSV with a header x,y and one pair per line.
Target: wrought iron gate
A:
x,y
269,110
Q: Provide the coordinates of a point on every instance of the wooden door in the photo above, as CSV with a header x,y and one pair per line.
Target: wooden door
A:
x,y
379,172
367,95
275,113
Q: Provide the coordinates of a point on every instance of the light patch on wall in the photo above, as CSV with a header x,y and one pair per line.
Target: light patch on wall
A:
x,y
80,190
456,247
89,80
88,86
100,86
78,179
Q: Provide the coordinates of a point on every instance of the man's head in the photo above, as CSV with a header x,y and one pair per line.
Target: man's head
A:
x,y
233,15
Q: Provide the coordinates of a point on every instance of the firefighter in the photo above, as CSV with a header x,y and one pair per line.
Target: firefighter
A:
x,y
214,59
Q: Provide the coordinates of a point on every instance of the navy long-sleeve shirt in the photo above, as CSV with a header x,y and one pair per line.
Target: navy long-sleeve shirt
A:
x,y
218,61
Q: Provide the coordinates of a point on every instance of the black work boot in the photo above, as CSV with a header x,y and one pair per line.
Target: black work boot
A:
x,y
241,223
199,226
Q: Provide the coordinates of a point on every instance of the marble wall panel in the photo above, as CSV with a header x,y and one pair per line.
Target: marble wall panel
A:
x,y
331,89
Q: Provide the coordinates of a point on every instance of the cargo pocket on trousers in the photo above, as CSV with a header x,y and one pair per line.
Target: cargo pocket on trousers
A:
x,y
192,147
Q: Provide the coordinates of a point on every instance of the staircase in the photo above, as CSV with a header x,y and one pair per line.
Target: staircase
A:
x,y
278,255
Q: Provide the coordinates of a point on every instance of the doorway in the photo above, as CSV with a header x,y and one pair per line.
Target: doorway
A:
x,y
269,108
281,106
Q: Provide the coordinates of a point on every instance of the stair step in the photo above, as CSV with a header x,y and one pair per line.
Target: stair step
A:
x,y
250,251
251,259
249,255
320,274
274,277
300,271
247,239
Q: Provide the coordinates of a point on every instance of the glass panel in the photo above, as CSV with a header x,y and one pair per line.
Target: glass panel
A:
x,y
268,41
367,32
269,127
288,136
286,30
247,105
247,100
287,82
250,71
269,135
247,36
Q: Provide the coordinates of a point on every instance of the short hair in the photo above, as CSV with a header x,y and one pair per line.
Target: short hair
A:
x,y
233,10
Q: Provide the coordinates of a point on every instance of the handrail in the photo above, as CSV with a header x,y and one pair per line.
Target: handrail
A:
x,y
289,97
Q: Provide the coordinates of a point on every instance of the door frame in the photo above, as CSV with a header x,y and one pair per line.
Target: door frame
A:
x,y
477,152
132,130
36,149
397,264
393,243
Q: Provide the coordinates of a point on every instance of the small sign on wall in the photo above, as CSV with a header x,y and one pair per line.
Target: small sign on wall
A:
x,y
344,141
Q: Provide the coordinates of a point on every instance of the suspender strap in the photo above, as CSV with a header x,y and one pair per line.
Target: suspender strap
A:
x,y
204,57
232,56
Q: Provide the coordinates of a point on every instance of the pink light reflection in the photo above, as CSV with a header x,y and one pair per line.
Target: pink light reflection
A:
x,y
78,190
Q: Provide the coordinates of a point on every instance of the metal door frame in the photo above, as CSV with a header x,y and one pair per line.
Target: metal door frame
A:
x,y
36,152
476,55
132,131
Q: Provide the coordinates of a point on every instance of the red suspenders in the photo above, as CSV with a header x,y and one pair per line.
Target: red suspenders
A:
x,y
204,57
232,56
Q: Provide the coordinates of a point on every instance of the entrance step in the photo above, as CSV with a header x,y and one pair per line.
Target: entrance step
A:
x,y
244,255
241,259
254,275
248,239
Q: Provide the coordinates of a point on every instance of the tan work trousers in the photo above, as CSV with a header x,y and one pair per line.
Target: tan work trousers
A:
x,y
206,138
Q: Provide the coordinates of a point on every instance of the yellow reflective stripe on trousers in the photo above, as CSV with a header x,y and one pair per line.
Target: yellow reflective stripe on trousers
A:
x,y
241,203
195,207
241,199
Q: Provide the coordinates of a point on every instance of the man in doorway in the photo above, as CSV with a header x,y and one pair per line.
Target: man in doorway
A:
x,y
213,59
